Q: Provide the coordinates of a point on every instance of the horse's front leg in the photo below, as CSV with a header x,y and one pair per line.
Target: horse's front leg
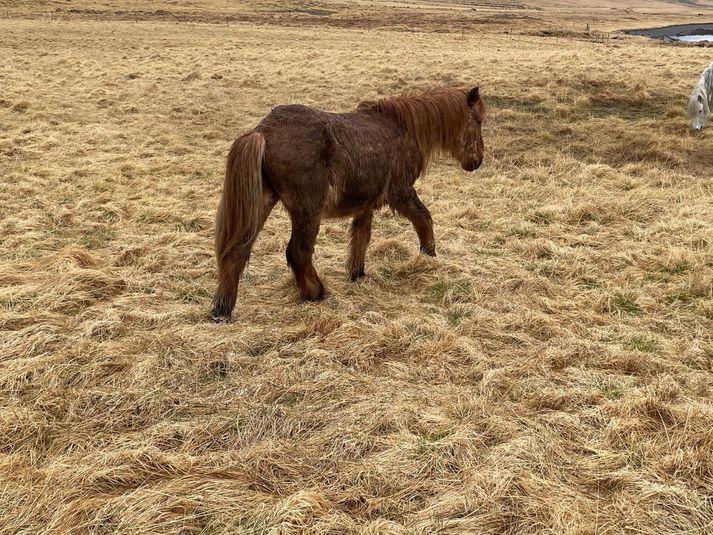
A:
x,y
360,236
410,206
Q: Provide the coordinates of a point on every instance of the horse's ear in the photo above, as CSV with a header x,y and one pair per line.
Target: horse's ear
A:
x,y
700,99
473,96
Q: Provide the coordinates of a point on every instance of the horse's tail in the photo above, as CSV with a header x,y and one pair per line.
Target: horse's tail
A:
x,y
240,212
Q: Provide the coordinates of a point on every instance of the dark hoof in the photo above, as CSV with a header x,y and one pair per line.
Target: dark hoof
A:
x,y
219,319
221,312
314,298
357,275
314,294
427,251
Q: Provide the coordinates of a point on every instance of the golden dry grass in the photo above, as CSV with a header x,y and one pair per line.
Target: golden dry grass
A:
x,y
549,372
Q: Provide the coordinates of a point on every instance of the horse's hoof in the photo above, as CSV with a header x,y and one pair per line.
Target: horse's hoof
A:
x,y
427,251
219,319
355,276
315,294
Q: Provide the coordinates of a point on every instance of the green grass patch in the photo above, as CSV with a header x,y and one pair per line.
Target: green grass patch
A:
x,y
194,294
435,436
541,217
522,231
451,290
457,314
625,303
194,224
641,343
388,272
590,283
610,390
543,268
98,237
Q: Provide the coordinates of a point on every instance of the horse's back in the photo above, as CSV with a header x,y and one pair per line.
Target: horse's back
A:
x,y
348,159
299,126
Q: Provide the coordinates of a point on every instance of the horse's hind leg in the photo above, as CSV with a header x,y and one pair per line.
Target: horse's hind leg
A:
x,y
360,236
409,205
305,227
231,267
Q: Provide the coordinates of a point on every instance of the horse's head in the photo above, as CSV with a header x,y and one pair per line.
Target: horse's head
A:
x,y
698,111
473,149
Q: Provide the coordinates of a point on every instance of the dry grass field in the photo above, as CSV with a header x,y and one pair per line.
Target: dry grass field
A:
x,y
551,371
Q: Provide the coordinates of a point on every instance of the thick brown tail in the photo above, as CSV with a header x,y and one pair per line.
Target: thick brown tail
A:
x,y
240,213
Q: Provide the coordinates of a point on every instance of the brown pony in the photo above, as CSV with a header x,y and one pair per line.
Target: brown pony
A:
x,y
338,165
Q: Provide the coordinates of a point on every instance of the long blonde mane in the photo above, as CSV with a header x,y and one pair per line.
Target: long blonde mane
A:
x,y
435,119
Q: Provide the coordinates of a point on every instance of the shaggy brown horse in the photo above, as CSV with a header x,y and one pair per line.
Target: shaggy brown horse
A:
x,y
338,165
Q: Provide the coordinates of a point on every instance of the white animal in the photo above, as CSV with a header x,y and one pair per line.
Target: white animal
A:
x,y
699,103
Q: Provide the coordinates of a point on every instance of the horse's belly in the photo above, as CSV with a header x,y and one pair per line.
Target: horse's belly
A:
x,y
352,200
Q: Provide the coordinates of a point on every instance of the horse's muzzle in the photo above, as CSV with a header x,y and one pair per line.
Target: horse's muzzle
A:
x,y
472,166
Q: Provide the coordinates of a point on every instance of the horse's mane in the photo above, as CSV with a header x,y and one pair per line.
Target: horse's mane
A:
x,y
434,118
704,86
